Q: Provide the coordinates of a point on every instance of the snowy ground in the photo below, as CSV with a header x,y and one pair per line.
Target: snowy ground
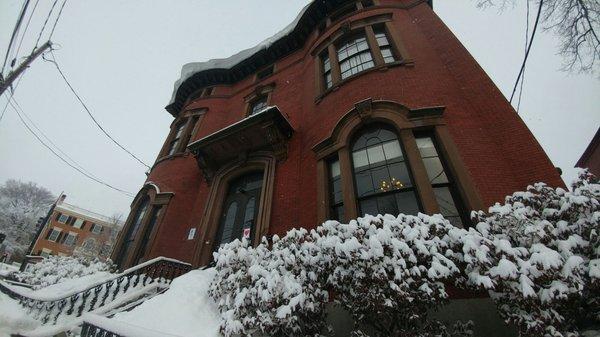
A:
x,y
183,310
6,269
13,318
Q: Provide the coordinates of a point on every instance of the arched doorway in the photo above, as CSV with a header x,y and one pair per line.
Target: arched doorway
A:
x,y
240,209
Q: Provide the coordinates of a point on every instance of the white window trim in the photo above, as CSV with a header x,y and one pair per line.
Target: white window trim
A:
x,y
66,218
76,221
45,252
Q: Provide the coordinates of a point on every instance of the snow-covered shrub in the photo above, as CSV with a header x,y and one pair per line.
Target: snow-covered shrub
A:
x,y
543,266
386,272
272,291
389,272
57,269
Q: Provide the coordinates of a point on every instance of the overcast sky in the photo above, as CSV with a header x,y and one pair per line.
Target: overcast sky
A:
x,y
123,57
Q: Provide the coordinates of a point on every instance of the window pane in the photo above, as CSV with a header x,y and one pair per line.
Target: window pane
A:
x,y
364,184
78,223
369,206
435,170
426,147
407,203
228,223
447,206
399,175
338,213
388,56
392,150
258,105
354,55
360,159
387,205
375,154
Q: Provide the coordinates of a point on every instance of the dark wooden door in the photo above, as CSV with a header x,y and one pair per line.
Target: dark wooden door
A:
x,y
240,209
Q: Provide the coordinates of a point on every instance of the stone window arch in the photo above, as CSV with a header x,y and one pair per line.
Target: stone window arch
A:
x,y
141,226
387,155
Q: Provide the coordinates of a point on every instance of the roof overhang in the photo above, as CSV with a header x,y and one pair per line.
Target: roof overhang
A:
x,y
268,130
197,75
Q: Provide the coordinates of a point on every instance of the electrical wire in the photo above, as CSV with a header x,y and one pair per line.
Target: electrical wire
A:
x,y
31,122
26,27
537,20
14,34
526,45
12,92
44,26
89,112
129,194
57,18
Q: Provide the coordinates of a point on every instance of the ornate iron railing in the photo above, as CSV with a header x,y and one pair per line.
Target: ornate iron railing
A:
x,y
90,330
51,309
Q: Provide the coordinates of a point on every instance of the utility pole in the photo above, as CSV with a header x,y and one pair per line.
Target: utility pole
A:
x,y
12,76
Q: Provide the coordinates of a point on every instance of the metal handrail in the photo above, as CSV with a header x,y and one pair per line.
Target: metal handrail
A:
x,y
75,303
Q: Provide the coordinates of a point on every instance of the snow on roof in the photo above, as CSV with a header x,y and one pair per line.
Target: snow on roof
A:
x,y
189,69
84,212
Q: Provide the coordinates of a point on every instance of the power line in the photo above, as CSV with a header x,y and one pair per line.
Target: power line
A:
x,y
57,18
12,92
48,139
90,113
129,194
526,45
26,27
14,33
44,26
537,20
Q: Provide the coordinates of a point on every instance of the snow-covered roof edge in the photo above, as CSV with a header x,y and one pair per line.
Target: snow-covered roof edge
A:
x,y
189,69
84,213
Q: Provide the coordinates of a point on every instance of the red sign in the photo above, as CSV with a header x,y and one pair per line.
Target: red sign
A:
x,y
246,233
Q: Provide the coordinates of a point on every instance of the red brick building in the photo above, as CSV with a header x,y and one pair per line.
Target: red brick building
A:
x,y
357,107
590,159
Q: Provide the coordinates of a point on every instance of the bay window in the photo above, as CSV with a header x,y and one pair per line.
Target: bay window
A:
x,y
354,55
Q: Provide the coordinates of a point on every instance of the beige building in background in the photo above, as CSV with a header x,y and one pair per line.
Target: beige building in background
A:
x,y
74,231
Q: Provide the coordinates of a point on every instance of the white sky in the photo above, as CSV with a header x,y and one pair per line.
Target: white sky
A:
x,y
123,57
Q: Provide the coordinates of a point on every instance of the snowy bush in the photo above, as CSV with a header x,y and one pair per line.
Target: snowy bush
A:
x,y
386,272
543,267
270,291
538,255
57,269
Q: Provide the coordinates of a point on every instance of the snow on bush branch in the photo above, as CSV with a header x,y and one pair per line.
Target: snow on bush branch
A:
x,y
545,273
538,254
57,269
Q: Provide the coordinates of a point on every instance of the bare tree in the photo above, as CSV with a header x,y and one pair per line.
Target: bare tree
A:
x,y
21,204
577,25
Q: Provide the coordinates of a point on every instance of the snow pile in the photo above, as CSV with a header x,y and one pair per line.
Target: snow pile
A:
x,y
59,269
7,269
184,310
542,264
14,318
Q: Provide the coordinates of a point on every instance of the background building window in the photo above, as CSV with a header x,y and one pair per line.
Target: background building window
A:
x,y
258,104
62,218
78,223
354,55
442,186
382,179
45,252
54,234
70,239
336,200
96,229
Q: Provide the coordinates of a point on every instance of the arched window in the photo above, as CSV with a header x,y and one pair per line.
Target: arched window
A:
x,y
381,175
132,230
